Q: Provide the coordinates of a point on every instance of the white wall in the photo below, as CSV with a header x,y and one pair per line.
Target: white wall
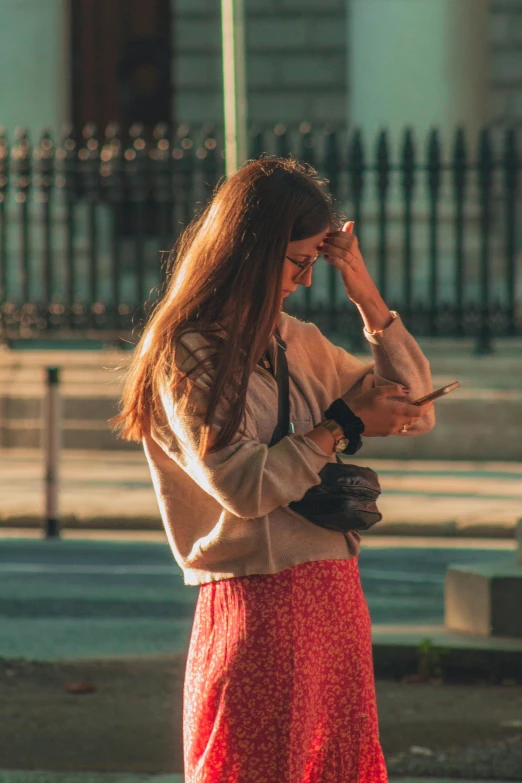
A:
x,y
424,63
297,50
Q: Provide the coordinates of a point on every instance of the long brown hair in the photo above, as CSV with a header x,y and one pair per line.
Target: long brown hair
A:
x,y
226,270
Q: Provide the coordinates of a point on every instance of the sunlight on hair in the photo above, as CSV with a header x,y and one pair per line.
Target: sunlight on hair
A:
x,y
213,214
178,281
147,342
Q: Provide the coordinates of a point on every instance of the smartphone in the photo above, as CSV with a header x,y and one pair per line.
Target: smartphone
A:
x,y
438,393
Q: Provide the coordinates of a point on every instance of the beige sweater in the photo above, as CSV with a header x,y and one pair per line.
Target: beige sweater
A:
x,y
227,515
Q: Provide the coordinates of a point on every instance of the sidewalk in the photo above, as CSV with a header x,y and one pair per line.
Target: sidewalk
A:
x,y
113,491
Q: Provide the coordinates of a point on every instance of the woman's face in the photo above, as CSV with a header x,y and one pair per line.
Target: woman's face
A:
x,y
300,257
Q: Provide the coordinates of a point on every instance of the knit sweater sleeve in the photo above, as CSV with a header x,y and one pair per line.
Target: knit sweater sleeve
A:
x,y
397,358
246,477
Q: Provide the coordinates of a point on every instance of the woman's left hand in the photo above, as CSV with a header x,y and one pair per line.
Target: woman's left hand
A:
x,y
341,249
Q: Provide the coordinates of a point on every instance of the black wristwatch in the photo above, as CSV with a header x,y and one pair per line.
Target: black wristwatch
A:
x,y
352,425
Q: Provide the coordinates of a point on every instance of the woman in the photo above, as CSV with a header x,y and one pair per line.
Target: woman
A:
x,y
279,681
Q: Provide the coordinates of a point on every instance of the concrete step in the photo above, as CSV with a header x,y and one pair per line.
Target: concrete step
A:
x,y
482,599
471,425
110,490
469,431
481,420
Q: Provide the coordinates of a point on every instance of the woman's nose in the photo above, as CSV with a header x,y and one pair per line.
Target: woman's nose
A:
x,y
305,278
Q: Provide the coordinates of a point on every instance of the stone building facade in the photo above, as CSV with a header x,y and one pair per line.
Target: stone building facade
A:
x,y
296,61
300,58
506,70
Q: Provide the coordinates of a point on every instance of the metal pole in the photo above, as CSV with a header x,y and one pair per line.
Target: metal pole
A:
x,y
52,443
234,83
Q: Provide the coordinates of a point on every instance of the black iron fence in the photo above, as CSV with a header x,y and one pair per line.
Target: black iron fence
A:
x,y
86,224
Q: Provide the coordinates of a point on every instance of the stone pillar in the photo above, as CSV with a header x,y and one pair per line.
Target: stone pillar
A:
x,y
424,63
34,65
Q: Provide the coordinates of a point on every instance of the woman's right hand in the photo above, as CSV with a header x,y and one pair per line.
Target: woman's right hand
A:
x,y
384,411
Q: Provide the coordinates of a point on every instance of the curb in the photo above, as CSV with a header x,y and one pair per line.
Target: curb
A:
x,y
397,660
444,529
37,776
51,776
461,659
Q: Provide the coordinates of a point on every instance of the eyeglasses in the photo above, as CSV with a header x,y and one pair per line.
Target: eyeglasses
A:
x,y
304,266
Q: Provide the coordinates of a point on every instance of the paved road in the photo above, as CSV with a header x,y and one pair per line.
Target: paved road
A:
x,y
70,598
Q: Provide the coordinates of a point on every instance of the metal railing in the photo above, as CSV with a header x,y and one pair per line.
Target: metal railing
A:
x,y
85,223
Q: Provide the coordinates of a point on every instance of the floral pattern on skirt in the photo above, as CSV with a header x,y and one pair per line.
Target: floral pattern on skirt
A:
x,y
279,686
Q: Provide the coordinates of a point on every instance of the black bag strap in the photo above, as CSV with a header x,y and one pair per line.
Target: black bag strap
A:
x,y
283,398
283,393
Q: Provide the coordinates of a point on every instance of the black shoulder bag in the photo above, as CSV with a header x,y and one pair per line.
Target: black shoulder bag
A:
x,y
346,497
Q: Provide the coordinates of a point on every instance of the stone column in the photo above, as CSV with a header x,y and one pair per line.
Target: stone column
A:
x,y
34,65
424,63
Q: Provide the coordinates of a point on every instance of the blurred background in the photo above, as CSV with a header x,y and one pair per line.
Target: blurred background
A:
x,y
112,116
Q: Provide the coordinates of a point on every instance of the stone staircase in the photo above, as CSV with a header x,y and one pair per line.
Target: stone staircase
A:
x,y
90,386
480,421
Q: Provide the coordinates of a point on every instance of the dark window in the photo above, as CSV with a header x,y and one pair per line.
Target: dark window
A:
x,y
121,62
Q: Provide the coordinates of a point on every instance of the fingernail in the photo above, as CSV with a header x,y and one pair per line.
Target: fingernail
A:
x,y
405,390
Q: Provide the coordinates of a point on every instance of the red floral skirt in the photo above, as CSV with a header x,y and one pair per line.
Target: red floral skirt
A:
x,y
279,685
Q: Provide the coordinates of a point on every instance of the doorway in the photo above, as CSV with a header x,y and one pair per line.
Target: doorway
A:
x,y
121,62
